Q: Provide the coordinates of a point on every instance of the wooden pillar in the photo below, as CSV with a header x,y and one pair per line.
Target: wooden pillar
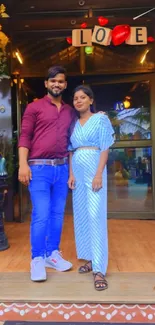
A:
x,y
82,60
19,117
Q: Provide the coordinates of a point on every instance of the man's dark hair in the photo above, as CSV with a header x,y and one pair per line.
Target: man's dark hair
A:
x,y
53,71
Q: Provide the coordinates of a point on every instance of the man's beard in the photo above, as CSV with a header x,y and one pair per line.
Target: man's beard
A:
x,y
58,94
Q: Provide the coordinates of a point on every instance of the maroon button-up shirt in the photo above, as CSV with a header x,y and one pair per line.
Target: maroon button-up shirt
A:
x,y
45,131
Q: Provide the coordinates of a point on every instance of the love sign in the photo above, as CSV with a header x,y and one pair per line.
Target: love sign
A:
x,y
104,36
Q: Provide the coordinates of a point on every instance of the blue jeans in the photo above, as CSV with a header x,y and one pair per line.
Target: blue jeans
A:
x,y
48,190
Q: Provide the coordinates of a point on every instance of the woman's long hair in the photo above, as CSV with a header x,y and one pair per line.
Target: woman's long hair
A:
x,y
88,91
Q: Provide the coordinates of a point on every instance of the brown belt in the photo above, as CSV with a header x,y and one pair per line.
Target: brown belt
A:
x,y
50,162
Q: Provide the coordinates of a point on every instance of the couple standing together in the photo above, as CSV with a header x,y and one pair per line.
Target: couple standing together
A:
x,y
51,129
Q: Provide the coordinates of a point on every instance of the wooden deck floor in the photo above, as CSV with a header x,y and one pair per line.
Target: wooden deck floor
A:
x,y
131,270
131,246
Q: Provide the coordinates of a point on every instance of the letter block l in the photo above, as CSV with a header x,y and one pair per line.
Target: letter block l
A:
x,y
81,37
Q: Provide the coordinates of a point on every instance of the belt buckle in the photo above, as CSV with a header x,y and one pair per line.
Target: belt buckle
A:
x,y
54,162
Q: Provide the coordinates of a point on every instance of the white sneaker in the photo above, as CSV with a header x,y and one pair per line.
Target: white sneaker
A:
x,y
57,262
38,271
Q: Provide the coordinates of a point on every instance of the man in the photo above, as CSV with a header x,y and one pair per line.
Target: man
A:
x,y
43,166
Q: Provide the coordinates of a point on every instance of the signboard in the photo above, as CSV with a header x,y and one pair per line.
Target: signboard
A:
x,y
119,106
104,36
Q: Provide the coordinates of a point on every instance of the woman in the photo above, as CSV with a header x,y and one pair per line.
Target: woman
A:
x,y
89,144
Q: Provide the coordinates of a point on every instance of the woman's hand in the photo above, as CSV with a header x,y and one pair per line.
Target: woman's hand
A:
x,y
71,182
97,183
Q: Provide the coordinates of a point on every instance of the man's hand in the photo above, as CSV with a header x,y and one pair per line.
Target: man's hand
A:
x,y
24,174
101,112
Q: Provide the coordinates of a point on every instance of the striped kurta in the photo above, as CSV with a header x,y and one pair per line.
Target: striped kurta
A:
x,y
89,207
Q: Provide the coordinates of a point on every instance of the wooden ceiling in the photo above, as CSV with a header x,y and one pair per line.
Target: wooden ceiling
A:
x,y
20,6
38,28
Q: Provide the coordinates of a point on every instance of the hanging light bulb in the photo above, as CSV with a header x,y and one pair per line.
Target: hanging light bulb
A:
x,y
89,50
127,103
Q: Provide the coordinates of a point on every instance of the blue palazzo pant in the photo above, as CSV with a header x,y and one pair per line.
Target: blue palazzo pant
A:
x,y
90,210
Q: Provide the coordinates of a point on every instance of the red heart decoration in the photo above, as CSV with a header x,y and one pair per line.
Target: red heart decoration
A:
x,y
103,21
120,33
150,39
83,25
69,40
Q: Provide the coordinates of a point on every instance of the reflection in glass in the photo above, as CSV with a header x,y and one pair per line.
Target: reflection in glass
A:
x,y
131,124
128,107
130,180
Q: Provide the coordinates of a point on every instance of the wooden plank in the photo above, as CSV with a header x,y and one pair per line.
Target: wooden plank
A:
x,y
76,288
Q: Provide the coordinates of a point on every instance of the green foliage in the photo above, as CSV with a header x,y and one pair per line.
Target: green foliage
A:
x,y
3,64
7,152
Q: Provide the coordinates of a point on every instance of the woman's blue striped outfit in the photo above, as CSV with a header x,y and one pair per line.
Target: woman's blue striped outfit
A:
x,y
89,207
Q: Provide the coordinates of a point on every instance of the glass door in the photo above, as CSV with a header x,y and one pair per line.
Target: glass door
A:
x,y
130,104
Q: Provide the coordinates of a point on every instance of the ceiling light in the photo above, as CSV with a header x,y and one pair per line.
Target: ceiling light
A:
x,y
19,57
144,57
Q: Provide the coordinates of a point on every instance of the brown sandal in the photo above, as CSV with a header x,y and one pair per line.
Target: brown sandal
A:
x,y
100,284
86,268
